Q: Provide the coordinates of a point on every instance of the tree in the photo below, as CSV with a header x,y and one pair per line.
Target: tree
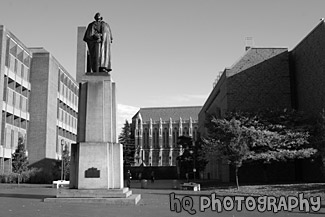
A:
x,y
126,138
264,136
227,138
192,156
279,135
66,162
318,137
19,159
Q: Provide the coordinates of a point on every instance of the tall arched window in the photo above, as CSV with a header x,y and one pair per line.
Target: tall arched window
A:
x,y
155,137
165,137
175,136
185,131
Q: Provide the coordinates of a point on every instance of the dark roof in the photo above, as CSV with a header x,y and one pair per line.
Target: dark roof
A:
x,y
169,112
254,56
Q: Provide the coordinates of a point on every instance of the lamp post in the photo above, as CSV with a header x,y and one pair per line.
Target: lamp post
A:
x,y
193,152
62,144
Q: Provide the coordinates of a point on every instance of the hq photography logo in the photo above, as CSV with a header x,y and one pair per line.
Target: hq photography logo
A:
x,y
238,203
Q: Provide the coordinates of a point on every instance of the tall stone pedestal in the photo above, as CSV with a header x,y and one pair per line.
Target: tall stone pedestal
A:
x,y
96,167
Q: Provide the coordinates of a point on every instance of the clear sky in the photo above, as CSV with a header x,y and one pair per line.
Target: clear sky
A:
x,y
165,52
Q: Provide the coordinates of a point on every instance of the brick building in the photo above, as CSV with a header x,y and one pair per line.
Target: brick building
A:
x,y
40,101
269,78
156,131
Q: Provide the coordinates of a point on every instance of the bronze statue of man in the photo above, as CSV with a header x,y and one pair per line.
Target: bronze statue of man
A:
x,y
98,37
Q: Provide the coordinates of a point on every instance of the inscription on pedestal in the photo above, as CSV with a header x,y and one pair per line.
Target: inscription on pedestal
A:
x,y
92,173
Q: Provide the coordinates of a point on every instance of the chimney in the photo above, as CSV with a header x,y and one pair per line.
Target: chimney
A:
x,y
249,42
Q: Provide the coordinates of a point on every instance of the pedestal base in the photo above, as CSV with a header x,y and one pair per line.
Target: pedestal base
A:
x,y
131,200
96,165
94,193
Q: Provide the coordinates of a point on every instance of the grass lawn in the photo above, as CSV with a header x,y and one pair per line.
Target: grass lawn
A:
x,y
309,189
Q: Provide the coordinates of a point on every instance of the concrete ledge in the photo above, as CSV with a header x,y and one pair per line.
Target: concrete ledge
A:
x,y
96,77
132,200
94,193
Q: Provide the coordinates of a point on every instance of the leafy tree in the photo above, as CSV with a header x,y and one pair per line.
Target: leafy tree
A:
x,y
318,137
264,136
278,135
66,162
227,138
19,158
192,157
126,138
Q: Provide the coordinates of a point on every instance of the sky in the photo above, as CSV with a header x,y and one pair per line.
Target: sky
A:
x,y
164,52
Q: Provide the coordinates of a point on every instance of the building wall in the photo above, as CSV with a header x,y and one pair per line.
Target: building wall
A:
x,y
156,138
53,109
260,79
37,133
81,54
275,78
309,71
15,92
264,85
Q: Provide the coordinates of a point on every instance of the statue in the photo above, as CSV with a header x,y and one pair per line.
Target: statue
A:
x,y
98,37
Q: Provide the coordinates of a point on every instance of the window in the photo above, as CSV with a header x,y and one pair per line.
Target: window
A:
x,y
12,139
7,63
175,136
22,71
13,98
16,65
17,100
8,137
166,137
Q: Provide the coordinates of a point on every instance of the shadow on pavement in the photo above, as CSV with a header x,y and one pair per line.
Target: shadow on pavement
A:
x,y
29,196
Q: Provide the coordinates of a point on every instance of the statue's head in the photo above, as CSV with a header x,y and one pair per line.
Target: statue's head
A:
x,y
98,16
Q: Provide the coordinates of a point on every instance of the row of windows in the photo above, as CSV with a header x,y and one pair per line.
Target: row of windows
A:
x,y
16,100
167,158
18,52
68,94
64,79
67,109
68,119
14,120
165,137
14,85
18,67
66,134
11,135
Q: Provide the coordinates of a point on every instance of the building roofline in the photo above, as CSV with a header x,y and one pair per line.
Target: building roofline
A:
x,y
213,94
172,107
42,50
322,21
7,31
256,47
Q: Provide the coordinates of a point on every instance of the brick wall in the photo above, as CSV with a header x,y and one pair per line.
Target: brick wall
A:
x,y
308,63
264,85
37,131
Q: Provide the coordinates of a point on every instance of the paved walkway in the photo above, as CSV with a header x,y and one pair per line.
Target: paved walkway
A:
x,y
27,201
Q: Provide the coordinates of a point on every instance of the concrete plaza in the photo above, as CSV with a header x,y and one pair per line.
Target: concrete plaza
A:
x,y
27,200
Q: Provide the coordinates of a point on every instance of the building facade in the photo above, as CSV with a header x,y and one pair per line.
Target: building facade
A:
x,y
39,102
273,78
156,131
15,89
53,107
